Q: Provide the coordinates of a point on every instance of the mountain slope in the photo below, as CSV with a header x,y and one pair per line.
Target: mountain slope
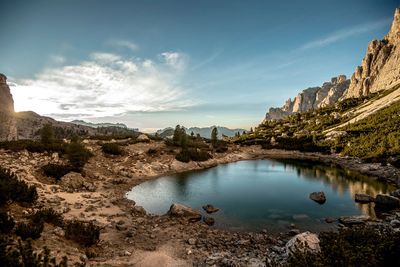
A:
x,y
311,98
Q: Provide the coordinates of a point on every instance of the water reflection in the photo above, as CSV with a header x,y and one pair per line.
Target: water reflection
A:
x,y
261,194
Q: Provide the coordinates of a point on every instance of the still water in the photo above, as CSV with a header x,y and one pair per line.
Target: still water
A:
x,y
263,194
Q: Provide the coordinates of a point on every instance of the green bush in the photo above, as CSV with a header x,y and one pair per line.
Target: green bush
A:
x,y
186,155
13,189
22,254
84,233
6,222
112,149
364,246
56,170
152,151
33,146
77,155
29,230
48,215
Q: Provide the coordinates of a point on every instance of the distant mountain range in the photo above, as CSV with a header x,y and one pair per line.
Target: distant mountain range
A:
x,y
203,131
105,124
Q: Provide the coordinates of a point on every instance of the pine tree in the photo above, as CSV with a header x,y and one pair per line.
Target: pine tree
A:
x,y
214,136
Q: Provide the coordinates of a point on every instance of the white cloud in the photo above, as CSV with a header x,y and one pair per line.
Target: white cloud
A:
x,y
344,34
123,44
175,59
104,85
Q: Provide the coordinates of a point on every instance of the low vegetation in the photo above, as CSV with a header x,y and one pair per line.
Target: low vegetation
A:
x,y
29,229
84,233
364,246
47,215
56,171
112,149
11,188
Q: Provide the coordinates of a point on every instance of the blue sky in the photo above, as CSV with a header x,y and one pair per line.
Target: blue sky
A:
x,y
153,64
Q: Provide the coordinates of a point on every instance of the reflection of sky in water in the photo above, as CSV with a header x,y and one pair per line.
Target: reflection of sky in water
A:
x,y
261,194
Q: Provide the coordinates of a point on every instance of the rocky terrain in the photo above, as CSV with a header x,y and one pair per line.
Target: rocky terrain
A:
x,y
311,98
379,69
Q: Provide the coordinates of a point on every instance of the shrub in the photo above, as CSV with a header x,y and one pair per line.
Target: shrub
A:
x,y
151,151
183,156
56,170
112,149
186,155
6,223
22,254
77,155
48,215
364,246
13,189
85,233
29,230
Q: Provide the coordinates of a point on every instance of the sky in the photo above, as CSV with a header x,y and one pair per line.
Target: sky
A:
x,y
154,64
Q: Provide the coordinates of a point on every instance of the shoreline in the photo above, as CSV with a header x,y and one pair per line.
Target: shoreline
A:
x,y
130,236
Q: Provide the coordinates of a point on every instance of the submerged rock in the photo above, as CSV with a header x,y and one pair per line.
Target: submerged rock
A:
x,y
351,220
363,198
208,220
318,197
386,201
179,210
210,208
304,242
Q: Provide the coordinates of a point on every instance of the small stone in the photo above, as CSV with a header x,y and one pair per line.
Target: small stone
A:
x,y
208,220
329,220
191,241
127,253
318,197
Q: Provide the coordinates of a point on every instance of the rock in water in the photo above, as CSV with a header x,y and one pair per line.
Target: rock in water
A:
x,y
387,202
179,210
318,197
304,242
208,220
363,198
210,208
351,220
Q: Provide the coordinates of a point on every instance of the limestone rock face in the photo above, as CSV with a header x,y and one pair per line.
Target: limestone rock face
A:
x,y
8,127
379,69
313,97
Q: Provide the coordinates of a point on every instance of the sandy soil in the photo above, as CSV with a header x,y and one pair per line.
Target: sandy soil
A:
x,y
129,236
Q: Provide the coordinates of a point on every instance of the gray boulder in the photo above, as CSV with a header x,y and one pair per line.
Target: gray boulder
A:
x,y
363,198
182,211
304,242
386,201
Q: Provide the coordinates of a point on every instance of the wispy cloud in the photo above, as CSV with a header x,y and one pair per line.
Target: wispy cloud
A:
x,y
175,60
344,34
104,85
123,44
57,59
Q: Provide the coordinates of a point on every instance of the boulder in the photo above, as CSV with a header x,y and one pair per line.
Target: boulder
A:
x,y
363,198
143,138
395,193
303,242
318,197
352,220
73,181
210,208
208,220
139,210
182,211
386,201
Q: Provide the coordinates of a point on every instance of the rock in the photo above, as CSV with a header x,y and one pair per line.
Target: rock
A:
x,y
121,227
143,138
179,210
192,241
313,97
8,129
210,208
74,181
139,210
329,220
335,134
318,197
386,201
208,220
304,242
395,223
363,198
294,232
395,193
379,69
127,253
351,220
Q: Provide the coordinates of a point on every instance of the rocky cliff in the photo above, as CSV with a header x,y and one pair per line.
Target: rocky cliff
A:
x,y
313,97
379,69
8,127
